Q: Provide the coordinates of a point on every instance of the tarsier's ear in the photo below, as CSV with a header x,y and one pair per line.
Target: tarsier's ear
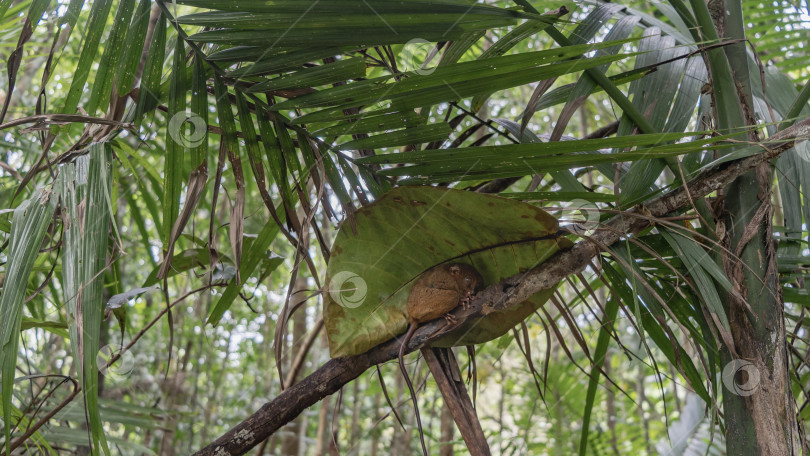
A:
x,y
455,269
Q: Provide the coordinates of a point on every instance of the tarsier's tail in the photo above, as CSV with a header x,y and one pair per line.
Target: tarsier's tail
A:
x,y
405,341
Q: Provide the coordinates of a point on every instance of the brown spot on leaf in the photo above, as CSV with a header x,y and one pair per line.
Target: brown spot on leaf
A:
x,y
416,203
336,311
80,210
335,314
399,200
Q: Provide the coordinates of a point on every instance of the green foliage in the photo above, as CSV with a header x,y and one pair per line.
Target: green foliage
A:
x,y
307,115
84,189
28,229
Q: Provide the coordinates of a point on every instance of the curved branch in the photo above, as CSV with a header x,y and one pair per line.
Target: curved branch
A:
x,y
330,377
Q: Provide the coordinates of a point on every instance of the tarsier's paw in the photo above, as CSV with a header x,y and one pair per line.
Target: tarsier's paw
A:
x,y
465,303
451,320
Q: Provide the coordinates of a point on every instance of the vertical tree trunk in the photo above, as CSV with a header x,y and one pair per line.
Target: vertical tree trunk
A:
x,y
757,399
642,398
324,424
290,444
447,426
401,440
321,440
444,367
355,437
374,446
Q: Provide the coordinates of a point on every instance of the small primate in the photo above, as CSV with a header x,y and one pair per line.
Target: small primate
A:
x,y
435,293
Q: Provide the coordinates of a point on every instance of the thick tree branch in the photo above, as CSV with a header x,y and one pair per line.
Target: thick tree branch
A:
x,y
330,377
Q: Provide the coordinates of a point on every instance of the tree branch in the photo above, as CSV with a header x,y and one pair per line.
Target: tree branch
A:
x,y
330,377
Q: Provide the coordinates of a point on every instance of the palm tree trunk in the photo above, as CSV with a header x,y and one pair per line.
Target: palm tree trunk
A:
x,y
757,399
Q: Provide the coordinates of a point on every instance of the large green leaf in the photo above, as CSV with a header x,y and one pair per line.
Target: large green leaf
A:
x,y
28,227
84,188
411,229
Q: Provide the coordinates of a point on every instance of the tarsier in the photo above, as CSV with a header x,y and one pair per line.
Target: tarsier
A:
x,y
434,295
